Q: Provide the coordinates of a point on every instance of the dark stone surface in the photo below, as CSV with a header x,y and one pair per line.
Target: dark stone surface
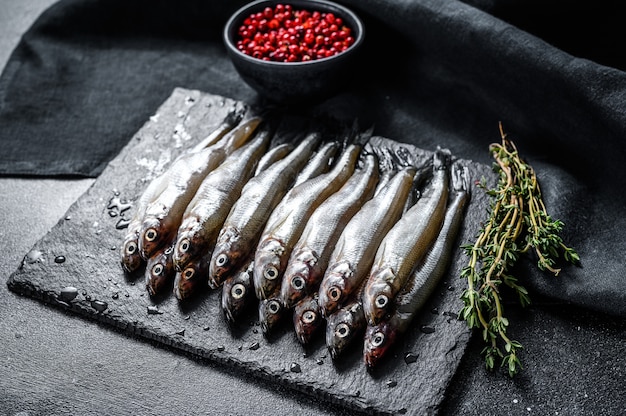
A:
x,y
91,283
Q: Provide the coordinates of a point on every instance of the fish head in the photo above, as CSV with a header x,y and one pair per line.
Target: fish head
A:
x,y
333,290
152,236
295,284
342,327
268,268
131,257
226,255
233,300
378,297
377,340
191,280
271,310
307,318
188,247
236,294
221,264
159,271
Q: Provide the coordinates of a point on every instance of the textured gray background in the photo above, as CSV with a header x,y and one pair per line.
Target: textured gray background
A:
x,y
53,363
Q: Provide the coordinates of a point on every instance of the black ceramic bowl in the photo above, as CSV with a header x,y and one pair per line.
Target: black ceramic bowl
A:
x,y
295,82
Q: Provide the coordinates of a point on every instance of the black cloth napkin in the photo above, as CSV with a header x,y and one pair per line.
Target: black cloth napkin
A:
x,y
89,73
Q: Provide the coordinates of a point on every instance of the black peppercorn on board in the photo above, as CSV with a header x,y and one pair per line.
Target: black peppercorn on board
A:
x,y
76,267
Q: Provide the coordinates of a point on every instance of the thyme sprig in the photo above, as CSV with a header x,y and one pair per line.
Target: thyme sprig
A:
x,y
518,223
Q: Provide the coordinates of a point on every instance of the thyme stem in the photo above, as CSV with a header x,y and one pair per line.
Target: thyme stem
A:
x,y
517,222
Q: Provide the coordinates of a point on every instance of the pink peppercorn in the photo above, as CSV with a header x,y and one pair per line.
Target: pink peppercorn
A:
x,y
284,34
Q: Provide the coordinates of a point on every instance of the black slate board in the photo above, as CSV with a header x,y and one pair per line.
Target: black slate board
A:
x,y
87,238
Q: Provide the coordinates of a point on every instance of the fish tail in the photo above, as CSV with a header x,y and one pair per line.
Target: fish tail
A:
x,y
235,114
442,159
363,159
353,135
362,137
460,178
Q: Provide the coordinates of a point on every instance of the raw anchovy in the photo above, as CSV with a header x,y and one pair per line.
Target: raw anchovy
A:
x,y
352,258
160,272
271,311
238,293
207,211
407,242
192,279
164,214
414,294
288,219
309,257
130,255
273,155
307,319
245,221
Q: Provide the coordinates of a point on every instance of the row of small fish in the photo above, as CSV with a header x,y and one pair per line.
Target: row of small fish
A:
x,y
316,229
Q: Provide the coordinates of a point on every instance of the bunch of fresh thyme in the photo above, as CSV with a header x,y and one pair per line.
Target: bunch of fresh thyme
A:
x,y
517,223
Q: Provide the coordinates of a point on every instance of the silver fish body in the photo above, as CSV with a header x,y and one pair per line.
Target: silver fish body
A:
x,y
272,156
164,215
288,219
410,300
232,119
204,216
407,242
353,255
131,257
319,163
309,257
247,217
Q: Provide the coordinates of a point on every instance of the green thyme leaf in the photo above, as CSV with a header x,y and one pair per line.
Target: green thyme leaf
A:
x,y
517,224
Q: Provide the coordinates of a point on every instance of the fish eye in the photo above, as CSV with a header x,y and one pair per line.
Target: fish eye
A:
x,y
297,283
188,273
183,247
131,248
222,260
151,234
238,291
271,273
157,269
378,339
308,317
273,306
342,330
381,301
334,293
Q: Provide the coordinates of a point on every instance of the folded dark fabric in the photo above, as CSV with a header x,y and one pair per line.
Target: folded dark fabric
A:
x,y
89,73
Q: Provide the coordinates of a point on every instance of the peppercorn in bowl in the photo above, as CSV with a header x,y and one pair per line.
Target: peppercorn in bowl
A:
x,y
294,52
